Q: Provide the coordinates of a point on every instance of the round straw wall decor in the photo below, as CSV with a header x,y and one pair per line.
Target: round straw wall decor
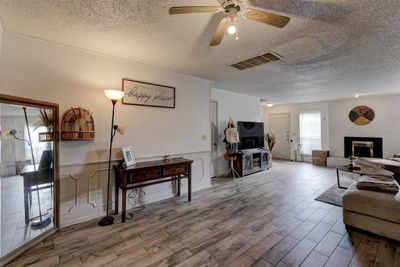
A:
x,y
361,115
77,125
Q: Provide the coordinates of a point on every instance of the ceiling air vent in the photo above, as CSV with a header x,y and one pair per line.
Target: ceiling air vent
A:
x,y
255,61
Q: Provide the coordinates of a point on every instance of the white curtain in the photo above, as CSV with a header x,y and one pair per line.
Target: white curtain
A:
x,y
310,131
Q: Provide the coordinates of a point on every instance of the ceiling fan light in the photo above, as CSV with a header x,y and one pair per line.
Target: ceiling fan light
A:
x,y
232,30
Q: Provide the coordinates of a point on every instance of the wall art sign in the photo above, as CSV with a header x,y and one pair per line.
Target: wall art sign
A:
x,y
148,94
361,115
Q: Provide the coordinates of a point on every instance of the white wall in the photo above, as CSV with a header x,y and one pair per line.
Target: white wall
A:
x,y
47,71
386,123
336,124
239,107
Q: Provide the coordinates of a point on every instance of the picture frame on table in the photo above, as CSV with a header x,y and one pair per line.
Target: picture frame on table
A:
x,y
129,157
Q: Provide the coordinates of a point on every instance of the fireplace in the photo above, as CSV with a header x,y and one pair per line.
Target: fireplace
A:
x,y
367,147
363,149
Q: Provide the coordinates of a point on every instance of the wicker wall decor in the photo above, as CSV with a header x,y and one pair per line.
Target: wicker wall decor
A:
x,y
77,125
361,115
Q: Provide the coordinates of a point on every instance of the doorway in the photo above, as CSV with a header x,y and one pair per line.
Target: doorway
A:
x,y
279,124
214,139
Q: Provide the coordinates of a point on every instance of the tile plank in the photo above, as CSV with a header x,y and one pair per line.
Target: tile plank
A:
x,y
314,260
339,257
328,243
299,252
366,252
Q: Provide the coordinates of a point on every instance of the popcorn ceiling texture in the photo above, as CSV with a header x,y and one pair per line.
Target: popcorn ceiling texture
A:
x,y
331,49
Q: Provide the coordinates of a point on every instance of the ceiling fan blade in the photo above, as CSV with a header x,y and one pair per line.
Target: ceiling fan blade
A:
x,y
194,9
219,32
266,17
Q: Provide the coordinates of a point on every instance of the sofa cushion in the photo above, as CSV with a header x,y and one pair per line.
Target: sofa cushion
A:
x,y
376,204
378,184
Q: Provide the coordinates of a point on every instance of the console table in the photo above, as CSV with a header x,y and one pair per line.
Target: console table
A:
x,y
150,173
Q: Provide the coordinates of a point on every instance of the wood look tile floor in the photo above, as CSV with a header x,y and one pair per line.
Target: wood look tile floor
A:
x,y
268,219
14,230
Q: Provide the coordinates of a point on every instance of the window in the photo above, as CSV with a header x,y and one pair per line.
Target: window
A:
x,y
38,147
310,131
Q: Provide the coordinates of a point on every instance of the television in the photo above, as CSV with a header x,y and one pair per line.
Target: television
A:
x,y
251,135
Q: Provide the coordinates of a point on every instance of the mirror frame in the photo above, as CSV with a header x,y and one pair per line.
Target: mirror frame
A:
x,y
13,100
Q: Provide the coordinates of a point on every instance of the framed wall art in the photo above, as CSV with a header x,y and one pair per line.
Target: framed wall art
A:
x,y
148,94
129,158
361,115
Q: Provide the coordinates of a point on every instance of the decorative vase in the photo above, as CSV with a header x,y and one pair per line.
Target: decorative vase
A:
x,y
351,166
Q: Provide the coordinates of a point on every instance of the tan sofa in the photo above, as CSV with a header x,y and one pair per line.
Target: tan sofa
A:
x,y
374,212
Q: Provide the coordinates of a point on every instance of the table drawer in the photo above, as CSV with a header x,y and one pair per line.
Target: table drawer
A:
x,y
175,170
146,175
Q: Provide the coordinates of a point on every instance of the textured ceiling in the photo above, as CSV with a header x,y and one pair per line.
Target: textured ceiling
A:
x,y
331,49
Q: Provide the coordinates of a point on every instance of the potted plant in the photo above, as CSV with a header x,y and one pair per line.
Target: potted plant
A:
x,y
298,155
270,141
352,162
45,119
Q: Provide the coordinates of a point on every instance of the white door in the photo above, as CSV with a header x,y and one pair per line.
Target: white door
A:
x,y
214,139
279,124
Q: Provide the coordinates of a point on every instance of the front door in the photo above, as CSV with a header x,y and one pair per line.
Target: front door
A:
x,y
279,124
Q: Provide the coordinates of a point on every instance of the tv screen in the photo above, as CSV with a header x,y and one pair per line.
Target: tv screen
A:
x,y
251,135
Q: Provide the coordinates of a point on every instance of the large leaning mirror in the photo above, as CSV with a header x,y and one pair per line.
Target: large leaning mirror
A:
x,y
28,173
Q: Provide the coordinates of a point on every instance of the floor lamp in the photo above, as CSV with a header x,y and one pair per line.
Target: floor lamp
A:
x,y
114,96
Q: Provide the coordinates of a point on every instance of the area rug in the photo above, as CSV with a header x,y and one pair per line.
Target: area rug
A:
x,y
332,196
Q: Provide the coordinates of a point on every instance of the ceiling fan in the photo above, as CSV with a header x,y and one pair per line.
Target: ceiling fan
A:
x,y
232,8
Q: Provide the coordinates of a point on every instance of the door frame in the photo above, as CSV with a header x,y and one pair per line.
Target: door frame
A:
x,y
14,100
214,166
290,129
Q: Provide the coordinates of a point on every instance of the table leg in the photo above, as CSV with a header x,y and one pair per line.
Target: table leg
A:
x,y
179,185
338,180
337,177
123,216
116,200
190,183
26,205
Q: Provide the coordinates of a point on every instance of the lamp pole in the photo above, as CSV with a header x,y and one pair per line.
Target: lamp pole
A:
x,y
109,219
114,96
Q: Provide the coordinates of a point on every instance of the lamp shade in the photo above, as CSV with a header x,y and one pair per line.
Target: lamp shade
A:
x,y
8,134
114,94
121,128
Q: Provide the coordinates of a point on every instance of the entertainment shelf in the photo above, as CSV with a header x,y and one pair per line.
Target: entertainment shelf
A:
x,y
252,160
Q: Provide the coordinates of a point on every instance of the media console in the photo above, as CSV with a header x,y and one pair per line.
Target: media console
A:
x,y
252,160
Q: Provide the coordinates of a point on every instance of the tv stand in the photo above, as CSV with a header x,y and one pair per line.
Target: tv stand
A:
x,y
252,160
